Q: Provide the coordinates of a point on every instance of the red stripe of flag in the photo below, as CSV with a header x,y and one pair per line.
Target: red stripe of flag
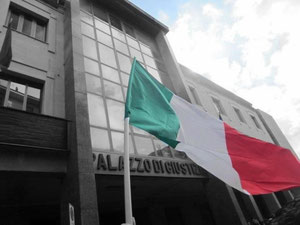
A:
x,y
263,167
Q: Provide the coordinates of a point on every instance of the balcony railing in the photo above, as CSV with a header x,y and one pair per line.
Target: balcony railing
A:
x,y
23,130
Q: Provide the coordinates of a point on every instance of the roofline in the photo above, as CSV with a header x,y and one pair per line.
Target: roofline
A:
x,y
134,15
164,27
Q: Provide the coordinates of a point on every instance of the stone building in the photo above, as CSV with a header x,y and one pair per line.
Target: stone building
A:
x,y
61,116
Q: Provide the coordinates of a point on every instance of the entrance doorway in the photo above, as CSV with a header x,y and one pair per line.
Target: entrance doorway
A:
x,y
155,201
29,199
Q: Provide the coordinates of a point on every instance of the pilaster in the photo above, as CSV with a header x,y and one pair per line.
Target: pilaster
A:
x,y
79,186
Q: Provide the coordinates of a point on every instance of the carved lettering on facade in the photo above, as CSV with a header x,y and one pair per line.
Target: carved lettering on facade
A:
x,y
138,165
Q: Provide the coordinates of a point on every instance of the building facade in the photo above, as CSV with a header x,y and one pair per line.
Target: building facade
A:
x,y
62,108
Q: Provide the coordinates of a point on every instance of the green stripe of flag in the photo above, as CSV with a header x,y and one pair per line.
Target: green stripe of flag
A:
x,y
148,106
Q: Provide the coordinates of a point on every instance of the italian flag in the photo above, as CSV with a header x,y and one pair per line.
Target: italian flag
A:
x,y
247,164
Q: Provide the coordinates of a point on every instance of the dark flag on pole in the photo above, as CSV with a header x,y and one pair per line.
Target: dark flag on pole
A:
x,y
220,117
6,52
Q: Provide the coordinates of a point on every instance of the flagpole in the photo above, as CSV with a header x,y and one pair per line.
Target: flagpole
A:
x,y
127,186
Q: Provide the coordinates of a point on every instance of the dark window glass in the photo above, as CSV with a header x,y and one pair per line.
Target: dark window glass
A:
x,y
27,25
239,115
15,20
85,5
40,31
33,100
129,30
255,122
24,23
115,22
3,87
100,13
20,96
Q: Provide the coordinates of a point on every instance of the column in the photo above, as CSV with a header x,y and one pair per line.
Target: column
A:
x,y
79,185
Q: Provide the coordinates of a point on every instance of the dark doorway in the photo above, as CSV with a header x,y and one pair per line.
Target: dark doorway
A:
x,y
174,216
29,199
155,201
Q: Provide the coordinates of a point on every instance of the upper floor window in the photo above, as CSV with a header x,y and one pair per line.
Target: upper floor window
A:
x,y
219,106
195,96
129,30
27,24
99,12
20,96
115,22
239,115
255,122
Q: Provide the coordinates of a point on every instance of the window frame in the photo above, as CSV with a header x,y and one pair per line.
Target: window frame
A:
x,y
34,22
239,114
27,85
115,22
195,95
255,121
216,103
129,30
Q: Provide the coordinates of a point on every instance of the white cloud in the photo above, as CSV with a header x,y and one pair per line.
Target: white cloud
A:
x,y
211,11
249,47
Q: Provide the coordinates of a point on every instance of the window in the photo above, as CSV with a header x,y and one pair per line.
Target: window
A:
x,y
129,30
239,115
218,106
255,121
20,96
195,96
100,13
27,24
86,5
115,22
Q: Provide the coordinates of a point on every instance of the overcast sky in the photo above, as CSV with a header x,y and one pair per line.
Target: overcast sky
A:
x,y
251,48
